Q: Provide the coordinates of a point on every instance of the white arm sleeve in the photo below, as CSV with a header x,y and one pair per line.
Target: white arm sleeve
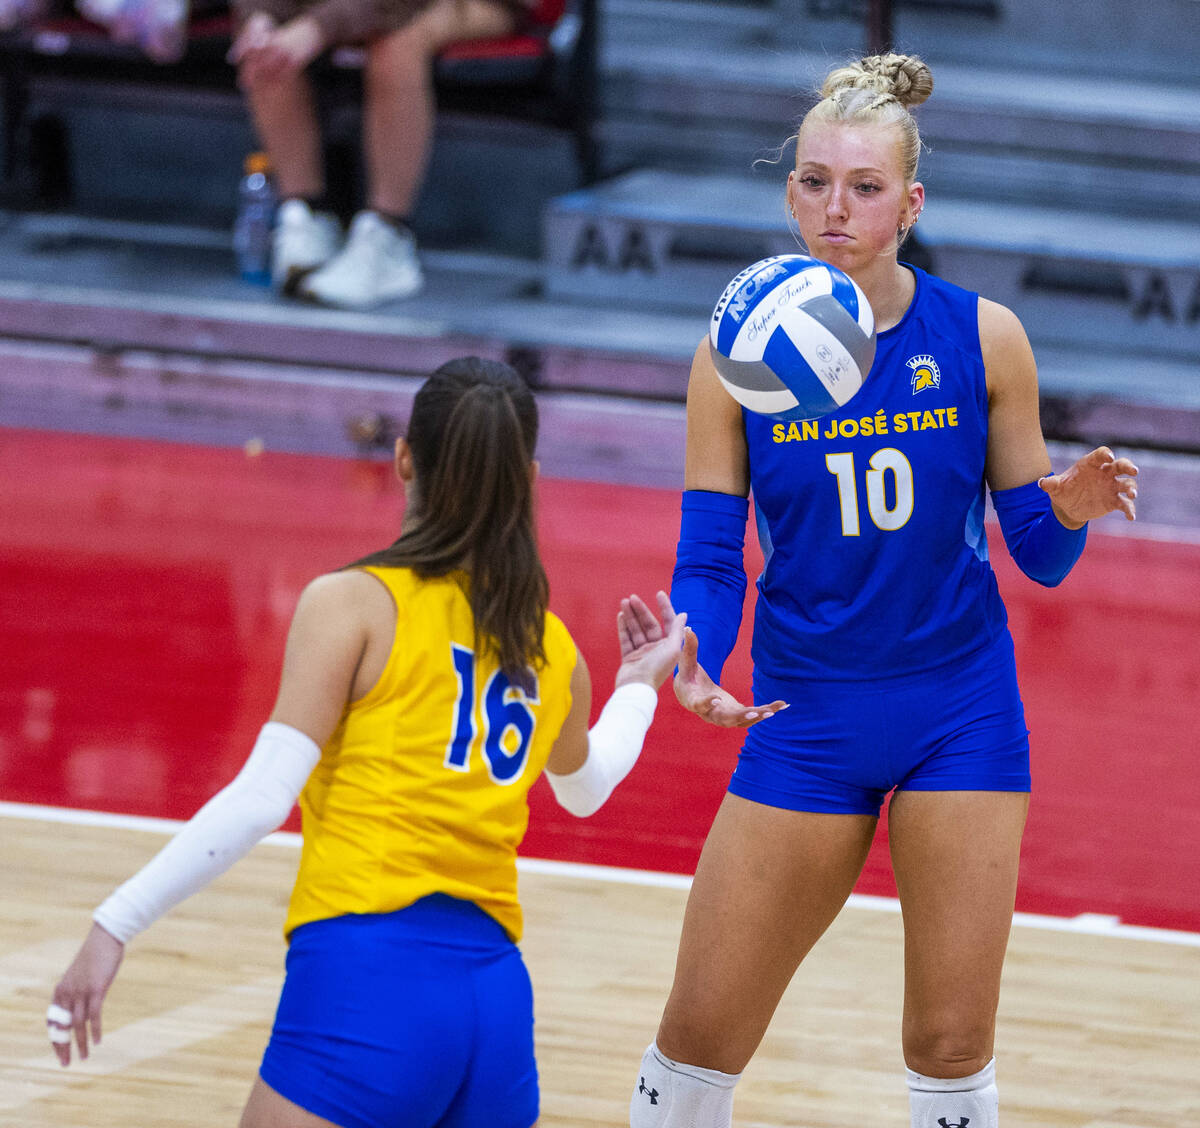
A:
x,y
614,744
222,831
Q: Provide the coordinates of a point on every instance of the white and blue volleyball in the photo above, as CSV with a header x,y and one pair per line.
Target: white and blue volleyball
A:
x,y
792,337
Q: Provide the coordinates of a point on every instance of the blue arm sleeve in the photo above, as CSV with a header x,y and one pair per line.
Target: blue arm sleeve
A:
x,y
1044,549
709,582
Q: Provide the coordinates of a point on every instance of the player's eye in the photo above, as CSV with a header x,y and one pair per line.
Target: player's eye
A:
x,y
868,187
811,181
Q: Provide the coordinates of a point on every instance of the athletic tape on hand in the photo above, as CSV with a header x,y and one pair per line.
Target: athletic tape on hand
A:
x,y
59,1036
58,1015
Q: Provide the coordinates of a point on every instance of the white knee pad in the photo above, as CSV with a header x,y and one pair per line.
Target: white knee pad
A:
x,y
960,1102
672,1095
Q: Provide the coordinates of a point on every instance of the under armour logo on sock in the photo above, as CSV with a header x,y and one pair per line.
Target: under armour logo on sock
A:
x,y
957,1124
651,1093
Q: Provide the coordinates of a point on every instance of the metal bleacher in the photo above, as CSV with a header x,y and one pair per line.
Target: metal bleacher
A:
x,y
1062,182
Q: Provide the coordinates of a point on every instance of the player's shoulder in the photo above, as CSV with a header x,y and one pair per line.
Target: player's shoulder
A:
x,y
999,327
344,593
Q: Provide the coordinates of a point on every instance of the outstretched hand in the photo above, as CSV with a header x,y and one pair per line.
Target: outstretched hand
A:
x,y
697,692
649,649
1096,484
80,994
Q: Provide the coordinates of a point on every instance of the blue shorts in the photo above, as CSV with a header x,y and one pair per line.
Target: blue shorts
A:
x,y
412,1019
842,746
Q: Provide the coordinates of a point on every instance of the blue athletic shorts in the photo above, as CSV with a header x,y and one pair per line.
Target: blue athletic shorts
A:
x,y
842,746
421,1018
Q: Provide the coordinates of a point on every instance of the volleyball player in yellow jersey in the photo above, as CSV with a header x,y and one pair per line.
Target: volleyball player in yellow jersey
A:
x,y
424,689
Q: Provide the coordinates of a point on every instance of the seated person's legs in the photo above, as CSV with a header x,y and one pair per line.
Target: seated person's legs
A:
x,y
379,261
271,71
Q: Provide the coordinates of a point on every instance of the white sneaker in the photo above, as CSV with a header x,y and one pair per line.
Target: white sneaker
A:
x,y
302,241
377,264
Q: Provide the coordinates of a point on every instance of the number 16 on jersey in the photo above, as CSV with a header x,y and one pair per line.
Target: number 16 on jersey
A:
x,y
508,720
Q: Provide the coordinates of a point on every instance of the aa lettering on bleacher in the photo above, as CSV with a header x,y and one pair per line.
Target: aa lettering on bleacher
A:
x,y
632,250
1157,301
877,424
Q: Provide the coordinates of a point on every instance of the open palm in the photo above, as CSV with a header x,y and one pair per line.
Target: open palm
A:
x,y
698,693
1096,484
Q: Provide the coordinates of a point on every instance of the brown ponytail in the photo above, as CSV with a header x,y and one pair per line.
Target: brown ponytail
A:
x,y
472,434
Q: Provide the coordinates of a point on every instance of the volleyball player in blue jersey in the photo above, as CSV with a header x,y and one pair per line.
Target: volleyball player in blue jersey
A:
x,y
879,622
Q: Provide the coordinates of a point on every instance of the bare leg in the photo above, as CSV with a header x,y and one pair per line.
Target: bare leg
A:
x,y
955,855
398,111
285,119
768,884
266,1108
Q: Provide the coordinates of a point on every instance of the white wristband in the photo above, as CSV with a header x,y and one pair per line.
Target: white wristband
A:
x,y
221,832
614,744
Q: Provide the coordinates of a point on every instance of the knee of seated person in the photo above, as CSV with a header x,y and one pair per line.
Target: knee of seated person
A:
x,y
406,53
252,80
947,1053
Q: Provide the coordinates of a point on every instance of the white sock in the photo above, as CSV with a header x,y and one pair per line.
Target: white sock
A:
x,y
960,1102
672,1095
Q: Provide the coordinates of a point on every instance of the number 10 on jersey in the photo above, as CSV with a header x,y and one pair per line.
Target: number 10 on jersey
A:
x,y
882,463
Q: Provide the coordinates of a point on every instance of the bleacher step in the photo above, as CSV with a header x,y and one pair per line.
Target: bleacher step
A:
x,y
656,239
104,328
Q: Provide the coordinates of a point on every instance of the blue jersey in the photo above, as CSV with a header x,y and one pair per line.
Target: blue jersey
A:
x,y
872,517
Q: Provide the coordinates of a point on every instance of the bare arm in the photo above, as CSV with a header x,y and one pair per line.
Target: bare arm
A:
x,y
341,635
717,459
571,748
334,647
1016,450
1096,484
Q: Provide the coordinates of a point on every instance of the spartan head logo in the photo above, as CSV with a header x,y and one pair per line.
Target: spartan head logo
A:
x,y
925,374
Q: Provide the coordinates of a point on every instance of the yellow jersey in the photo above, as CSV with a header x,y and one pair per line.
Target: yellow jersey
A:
x,y
423,786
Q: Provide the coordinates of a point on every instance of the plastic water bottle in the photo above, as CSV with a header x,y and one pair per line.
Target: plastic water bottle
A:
x,y
255,217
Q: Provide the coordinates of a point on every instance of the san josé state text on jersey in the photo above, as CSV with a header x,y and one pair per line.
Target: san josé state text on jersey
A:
x,y
872,516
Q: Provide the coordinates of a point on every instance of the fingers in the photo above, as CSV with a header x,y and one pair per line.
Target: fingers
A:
x,y
650,626
1127,504
673,622
58,1029
79,1023
675,635
688,656
627,623
94,1007
726,712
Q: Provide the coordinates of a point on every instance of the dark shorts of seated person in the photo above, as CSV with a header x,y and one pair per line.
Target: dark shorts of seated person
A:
x,y
421,1018
841,746
351,21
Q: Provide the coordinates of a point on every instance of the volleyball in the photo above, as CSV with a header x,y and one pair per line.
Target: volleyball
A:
x,y
792,337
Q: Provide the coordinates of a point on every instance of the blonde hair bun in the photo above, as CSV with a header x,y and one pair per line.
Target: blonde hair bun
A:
x,y
907,78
